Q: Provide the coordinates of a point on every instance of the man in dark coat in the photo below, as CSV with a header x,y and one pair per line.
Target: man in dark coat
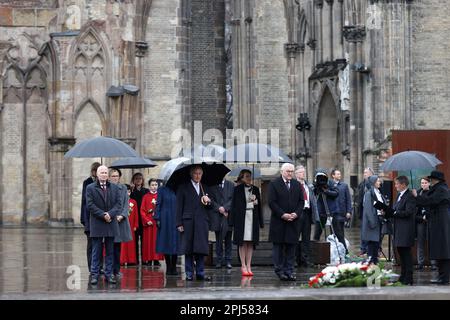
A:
x,y
438,200
104,204
360,204
404,227
193,206
286,202
84,215
344,206
222,197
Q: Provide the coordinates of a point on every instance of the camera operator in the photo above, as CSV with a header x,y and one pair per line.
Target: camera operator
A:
x,y
326,195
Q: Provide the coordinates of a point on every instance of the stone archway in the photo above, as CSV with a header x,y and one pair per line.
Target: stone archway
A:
x,y
328,134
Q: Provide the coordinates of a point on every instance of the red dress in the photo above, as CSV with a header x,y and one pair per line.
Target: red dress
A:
x,y
148,207
128,250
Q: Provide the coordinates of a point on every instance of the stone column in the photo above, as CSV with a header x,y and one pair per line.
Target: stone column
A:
x,y
355,35
61,182
319,28
327,22
292,53
338,45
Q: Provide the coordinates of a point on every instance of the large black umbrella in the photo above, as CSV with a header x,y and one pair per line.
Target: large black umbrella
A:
x,y
254,153
201,151
409,161
133,163
101,147
213,173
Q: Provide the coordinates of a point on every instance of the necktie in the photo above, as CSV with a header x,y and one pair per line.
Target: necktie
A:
x,y
305,196
104,190
288,185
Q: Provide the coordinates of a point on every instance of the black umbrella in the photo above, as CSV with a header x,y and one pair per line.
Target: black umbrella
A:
x,y
256,172
254,153
133,163
101,147
201,151
213,173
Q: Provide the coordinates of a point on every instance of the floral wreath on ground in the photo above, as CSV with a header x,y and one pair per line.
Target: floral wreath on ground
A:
x,y
351,275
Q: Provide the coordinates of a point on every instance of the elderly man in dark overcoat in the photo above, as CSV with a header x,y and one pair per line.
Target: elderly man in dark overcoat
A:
x,y
438,200
104,202
193,209
286,202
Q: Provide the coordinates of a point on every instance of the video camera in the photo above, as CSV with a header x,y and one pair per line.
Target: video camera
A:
x,y
320,180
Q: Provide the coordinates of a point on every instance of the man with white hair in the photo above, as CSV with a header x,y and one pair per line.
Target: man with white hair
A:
x,y
286,202
104,205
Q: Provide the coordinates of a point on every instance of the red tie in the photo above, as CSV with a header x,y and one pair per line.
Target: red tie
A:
x,y
305,196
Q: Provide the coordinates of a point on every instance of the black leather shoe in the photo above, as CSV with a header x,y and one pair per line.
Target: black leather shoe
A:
x,y
283,277
229,266
439,281
419,267
94,281
156,263
203,278
189,278
111,279
291,278
218,265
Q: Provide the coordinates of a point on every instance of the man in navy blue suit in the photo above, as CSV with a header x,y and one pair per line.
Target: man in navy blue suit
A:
x,y
104,204
193,205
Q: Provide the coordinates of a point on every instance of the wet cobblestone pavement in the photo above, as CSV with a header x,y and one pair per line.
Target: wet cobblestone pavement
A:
x,y
40,263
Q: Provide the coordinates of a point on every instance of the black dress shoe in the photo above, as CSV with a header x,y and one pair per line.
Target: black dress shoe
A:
x,y
229,266
218,266
111,279
203,278
291,277
419,267
439,281
189,278
156,263
94,281
283,277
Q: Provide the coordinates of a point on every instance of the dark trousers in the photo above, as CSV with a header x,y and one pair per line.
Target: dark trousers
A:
x,y
283,255
421,229
88,249
171,262
223,241
339,228
319,227
372,251
199,260
116,267
304,253
406,263
138,238
97,252
443,269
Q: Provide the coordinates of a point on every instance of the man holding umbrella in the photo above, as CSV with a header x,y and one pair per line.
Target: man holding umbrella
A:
x,y
193,204
438,200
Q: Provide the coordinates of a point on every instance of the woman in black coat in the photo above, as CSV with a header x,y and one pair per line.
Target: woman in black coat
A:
x,y
246,218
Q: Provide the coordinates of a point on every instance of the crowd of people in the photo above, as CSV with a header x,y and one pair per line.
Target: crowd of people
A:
x,y
128,224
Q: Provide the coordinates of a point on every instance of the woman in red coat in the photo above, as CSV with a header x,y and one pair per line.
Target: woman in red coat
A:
x,y
128,250
148,207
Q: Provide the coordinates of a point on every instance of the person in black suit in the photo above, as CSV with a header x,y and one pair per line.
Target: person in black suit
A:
x,y
438,200
193,206
84,214
137,193
222,196
246,219
404,217
286,202
104,204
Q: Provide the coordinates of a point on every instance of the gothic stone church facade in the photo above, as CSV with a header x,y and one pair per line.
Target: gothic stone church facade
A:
x,y
139,69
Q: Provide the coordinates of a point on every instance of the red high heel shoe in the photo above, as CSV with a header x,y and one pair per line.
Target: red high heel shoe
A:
x,y
250,273
244,272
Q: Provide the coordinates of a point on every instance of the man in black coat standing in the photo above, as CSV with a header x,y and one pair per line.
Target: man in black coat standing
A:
x,y
104,204
438,200
404,217
193,206
286,202
84,215
222,197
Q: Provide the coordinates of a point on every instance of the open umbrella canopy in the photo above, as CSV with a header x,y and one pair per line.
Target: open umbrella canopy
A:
x,y
101,147
254,153
212,151
178,172
133,163
256,172
410,160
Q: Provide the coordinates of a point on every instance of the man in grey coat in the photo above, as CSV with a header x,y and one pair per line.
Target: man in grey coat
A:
x,y
104,205
122,220
221,199
438,200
